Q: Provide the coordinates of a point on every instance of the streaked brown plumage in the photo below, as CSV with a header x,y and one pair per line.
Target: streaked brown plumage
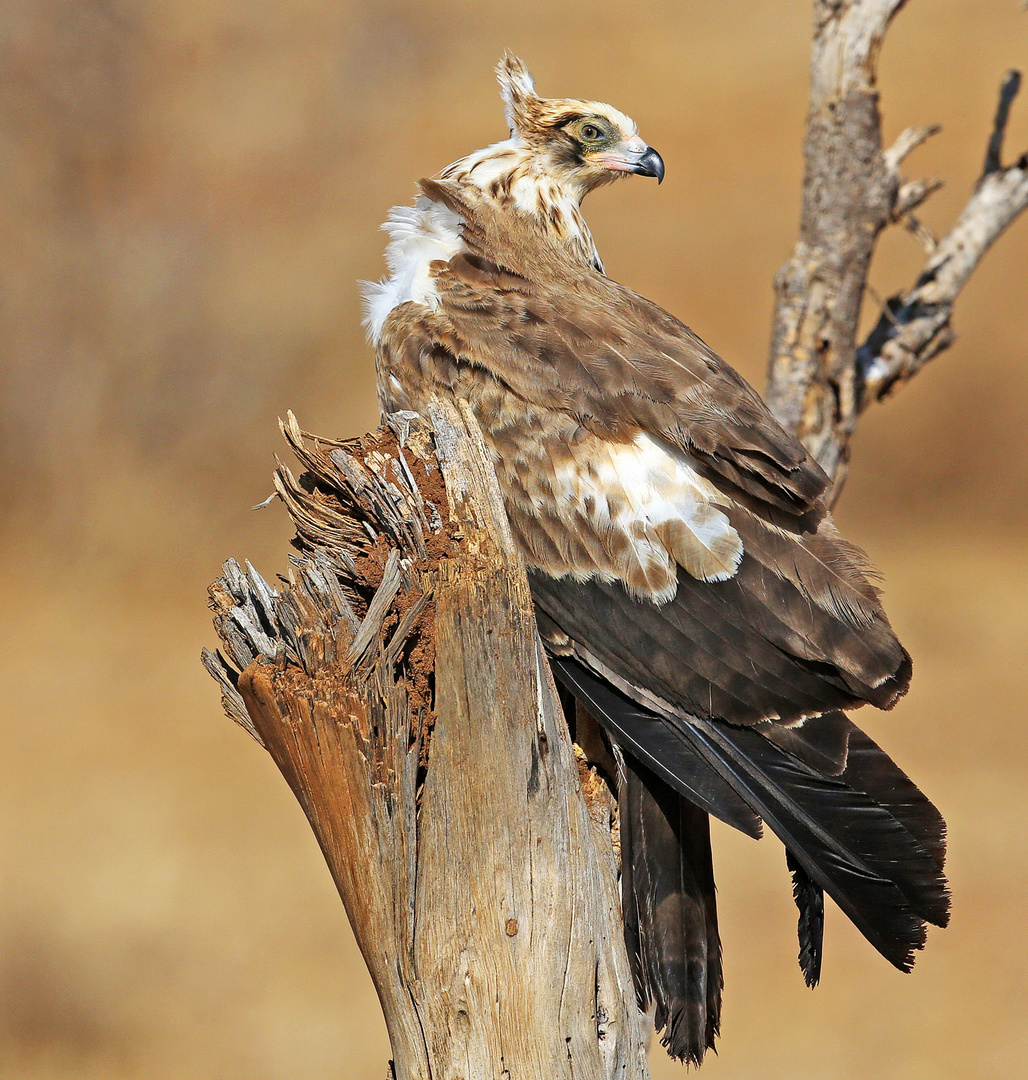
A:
x,y
690,583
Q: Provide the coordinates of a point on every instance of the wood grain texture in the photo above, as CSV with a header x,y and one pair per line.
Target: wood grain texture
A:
x,y
477,878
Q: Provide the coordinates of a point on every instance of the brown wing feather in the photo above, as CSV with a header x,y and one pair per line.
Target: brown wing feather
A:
x,y
612,357
797,630
670,912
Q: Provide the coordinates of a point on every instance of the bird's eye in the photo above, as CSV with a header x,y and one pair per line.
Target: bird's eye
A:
x,y
590,133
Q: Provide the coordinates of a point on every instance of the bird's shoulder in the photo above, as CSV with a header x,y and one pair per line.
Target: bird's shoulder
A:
x,y
553,328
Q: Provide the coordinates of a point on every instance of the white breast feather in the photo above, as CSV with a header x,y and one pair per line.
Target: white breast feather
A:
x,y
419,235
529,187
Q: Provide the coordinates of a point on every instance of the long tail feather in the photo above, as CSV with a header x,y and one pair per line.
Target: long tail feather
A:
x,y
851,846
670,911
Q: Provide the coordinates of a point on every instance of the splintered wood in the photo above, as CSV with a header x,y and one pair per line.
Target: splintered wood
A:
x,y
398,682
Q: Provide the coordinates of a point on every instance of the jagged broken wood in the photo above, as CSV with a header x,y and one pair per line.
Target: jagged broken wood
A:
x,y
398,682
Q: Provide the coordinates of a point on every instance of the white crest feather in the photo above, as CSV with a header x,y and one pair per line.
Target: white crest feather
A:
x,y
516,87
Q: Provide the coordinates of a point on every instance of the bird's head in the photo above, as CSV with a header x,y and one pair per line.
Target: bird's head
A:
x,y
579,144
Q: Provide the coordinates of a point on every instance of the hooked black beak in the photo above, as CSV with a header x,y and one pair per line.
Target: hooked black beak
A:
x,y
650,164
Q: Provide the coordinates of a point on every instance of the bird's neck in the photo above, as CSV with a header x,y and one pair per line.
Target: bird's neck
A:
x,y
511,174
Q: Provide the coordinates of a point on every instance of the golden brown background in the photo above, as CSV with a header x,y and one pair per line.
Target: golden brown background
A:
x,y
189,191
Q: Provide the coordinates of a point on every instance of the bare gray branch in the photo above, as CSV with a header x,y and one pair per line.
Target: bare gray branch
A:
x,y
916,325
819,382
909,140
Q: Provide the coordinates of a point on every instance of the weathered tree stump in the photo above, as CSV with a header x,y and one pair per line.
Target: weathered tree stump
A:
x,y
398,682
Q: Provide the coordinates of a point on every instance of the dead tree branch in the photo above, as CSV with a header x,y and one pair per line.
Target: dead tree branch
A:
x,y
819,381
915,326
849,191
398,682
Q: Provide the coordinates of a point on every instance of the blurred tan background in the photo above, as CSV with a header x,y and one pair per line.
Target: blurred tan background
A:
x,y
189,192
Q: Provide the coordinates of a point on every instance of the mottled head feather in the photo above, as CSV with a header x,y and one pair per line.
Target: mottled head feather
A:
x,y
536,119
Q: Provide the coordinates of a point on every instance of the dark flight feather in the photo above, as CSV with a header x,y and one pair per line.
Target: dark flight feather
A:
x,y
853,847
822,742
871,770
651,742
670,912
810,900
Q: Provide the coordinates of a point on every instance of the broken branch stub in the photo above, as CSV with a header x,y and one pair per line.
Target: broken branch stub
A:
x,y
398,682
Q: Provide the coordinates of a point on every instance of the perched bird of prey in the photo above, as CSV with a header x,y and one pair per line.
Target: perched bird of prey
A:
x,y
692,590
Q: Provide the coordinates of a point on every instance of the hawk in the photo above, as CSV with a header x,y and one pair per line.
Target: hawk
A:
x,y
692,590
